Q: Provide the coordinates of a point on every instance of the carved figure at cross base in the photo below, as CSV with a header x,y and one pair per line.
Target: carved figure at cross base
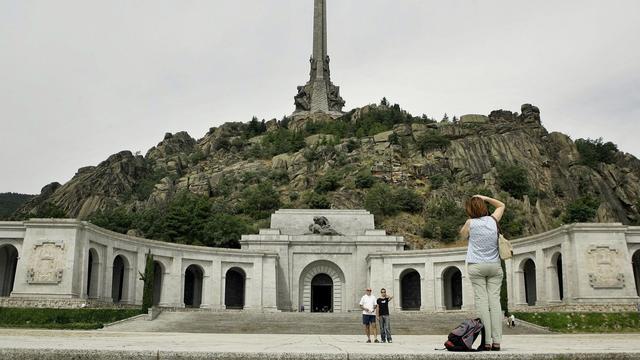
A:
x,y
321,226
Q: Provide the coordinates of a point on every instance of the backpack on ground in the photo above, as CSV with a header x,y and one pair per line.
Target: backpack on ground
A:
x,y
462,337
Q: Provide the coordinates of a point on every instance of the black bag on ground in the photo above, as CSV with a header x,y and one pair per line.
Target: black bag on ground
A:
x,y
463,337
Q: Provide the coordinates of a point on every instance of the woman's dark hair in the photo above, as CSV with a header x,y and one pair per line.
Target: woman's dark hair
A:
x,y
475,208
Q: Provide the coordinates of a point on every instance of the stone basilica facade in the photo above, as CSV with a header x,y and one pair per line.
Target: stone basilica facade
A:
x,y
310,260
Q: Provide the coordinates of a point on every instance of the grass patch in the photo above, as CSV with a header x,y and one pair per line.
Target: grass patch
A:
x,y
68,319
585,322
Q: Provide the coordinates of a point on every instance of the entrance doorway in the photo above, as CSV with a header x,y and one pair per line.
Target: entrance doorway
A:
x,y
635,261
322,293
8,264
193,277
452,288
410,290
158,272
529,273
234,289
120,280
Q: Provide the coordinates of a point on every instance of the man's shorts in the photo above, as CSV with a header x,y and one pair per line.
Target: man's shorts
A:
x,y
368,319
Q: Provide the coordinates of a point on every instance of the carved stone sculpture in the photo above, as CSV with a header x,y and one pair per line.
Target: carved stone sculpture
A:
x,y
321,226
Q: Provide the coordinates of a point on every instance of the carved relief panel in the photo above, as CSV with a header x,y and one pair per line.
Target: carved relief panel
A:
x,y
604,262
46,265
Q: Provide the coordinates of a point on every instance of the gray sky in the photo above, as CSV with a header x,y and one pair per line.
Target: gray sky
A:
x,y
83,79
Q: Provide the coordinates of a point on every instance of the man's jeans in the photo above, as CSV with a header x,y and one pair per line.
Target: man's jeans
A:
x,y
385,328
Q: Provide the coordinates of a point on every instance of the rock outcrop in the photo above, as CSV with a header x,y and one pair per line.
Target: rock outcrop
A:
x,y
228,158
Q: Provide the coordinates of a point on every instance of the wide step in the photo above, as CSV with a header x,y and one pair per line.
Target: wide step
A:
x,y
301,323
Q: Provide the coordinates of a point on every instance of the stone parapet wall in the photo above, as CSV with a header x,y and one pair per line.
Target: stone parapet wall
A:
x,y
600,308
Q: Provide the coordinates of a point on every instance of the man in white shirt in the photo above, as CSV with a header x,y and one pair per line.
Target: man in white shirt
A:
x,y
368,305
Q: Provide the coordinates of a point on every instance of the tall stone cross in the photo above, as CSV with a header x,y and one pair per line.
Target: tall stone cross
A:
x,y
319,94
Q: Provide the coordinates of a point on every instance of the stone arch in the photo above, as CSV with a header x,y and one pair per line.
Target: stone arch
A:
x,y
410,292
635,261
452,288
234,288
93,274
193,281
8,265
556,277
158,278
120,279
322,267
528,289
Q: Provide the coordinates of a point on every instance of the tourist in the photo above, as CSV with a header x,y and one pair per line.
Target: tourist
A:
x,y
382,310
368,306
483,260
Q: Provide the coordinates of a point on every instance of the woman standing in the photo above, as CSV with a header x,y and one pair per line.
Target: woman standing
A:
x,y
485,271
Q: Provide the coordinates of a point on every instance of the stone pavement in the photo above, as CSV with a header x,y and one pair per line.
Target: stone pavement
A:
x,y
57,344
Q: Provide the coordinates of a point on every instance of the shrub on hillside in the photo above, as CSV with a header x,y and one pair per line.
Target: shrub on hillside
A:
x,y
596,151
581,210
282,141
258,201
514,180
317,201
384,200
329,182
432,140
444,220
364,180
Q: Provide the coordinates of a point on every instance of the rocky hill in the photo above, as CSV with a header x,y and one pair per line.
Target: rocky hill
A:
x,y
412,172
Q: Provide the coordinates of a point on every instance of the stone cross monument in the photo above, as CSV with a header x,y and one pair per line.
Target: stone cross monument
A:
x,y
319,94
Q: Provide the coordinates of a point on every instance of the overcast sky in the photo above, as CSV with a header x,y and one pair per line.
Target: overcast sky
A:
x,y
83,79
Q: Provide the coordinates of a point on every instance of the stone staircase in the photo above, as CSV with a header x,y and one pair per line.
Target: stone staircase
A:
x,y
240,322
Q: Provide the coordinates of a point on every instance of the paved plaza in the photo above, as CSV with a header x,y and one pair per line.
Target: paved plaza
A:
x,y
54,344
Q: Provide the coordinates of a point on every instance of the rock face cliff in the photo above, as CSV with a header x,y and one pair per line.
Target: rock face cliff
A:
x,y
296,156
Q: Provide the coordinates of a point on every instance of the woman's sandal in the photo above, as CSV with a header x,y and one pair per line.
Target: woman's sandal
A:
x,y
495,347
486,347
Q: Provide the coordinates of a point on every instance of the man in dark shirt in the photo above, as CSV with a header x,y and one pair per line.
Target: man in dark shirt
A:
x,y
382,311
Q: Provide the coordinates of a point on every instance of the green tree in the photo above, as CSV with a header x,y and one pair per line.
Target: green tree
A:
x,y
408,200
379,200
514,180
583,209
223,230
596,151
432,140
364,179
147,278
259,200
444,220
118,219
317,201
329,182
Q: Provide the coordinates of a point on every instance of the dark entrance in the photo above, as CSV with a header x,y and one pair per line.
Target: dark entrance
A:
x,y
452,286
119,280
158,273
529,273
234,289
322,293
635,260
193,286
410,290
559,271
8,264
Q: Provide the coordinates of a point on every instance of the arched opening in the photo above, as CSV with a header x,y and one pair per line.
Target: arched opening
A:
x,y
322,293
306,292
410,290
234,289
193,278
158,273
452,288
529,273
635,260
8,264
93,269
120,279
559,273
